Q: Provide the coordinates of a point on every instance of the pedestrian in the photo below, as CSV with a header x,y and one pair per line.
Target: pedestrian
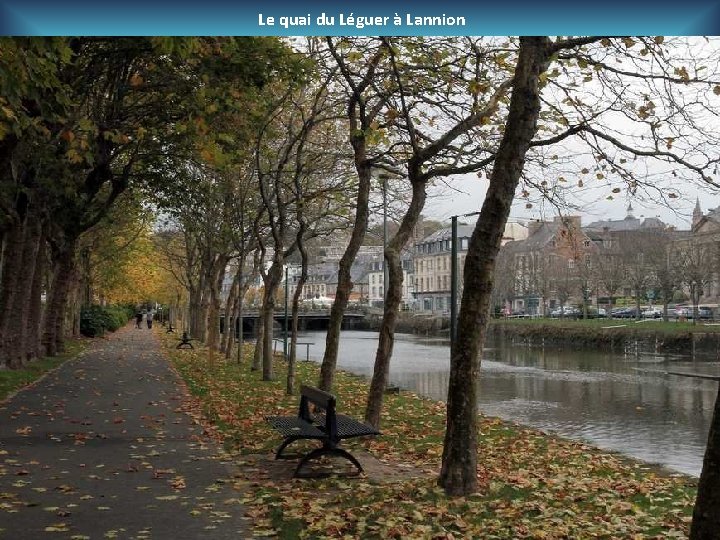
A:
x,y
149,318
138,319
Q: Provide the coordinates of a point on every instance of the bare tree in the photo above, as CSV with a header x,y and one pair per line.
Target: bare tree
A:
x,y
697,264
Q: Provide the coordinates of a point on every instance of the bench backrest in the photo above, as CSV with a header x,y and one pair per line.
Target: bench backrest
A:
x,y
322,400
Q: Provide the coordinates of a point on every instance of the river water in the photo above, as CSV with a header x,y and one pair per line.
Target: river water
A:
x,y
614,401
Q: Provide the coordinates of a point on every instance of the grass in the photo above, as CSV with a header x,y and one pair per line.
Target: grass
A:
x,y
644,325
531,485
12,380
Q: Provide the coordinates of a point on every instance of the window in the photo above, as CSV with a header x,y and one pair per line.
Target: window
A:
x,y
430,265
464,244
439,283
571,263
586,243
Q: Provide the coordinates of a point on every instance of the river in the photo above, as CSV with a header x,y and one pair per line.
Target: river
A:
x,y
612,401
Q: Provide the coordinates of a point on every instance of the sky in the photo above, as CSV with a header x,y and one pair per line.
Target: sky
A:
x,y
467,195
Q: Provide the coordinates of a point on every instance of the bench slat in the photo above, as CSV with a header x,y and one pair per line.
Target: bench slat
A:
x,y
294,426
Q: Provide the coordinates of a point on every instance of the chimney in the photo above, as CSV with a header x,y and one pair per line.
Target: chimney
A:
x,y
534,226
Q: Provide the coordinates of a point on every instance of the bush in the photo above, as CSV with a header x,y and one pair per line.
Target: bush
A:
x,y
96,320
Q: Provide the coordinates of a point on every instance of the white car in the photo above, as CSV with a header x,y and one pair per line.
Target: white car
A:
x,y
652,313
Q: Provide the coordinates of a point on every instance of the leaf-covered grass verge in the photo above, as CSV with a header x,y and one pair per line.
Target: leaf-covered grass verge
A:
x,y
12,380
532,485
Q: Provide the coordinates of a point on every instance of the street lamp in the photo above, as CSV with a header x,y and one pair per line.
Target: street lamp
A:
x,y
287,295
384,178
454,275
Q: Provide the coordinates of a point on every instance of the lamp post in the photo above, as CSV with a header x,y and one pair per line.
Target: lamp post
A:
x,y
287,295
384,178
454,275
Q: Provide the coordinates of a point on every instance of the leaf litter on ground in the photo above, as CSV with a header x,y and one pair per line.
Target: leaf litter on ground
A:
x,y
532,485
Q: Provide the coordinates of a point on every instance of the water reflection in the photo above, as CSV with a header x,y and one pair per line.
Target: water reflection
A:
x,y
614,401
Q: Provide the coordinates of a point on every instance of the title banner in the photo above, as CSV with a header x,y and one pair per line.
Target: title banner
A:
x,y
371,17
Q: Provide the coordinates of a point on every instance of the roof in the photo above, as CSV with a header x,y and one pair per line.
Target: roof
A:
x,y
630,223
463,231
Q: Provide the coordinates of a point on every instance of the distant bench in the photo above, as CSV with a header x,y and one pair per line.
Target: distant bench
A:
x,y
328,427
306,343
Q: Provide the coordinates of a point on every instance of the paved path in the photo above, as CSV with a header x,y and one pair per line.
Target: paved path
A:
x,y
102,449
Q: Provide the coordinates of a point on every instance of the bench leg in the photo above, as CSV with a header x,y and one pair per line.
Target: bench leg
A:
x,y
325,451
288,440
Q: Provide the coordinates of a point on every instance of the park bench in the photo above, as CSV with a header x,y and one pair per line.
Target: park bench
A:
x,y
185,342
322,424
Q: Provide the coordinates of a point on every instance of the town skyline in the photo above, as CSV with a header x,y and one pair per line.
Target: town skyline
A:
x,y
465,195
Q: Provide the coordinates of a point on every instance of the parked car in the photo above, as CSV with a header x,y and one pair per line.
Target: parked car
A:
x,y
566,311
652,313
704,313
625,313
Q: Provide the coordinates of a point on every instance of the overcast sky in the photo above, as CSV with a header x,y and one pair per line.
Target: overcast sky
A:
x,y
468,193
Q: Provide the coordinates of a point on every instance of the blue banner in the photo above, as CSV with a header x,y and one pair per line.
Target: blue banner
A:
x,y
370,17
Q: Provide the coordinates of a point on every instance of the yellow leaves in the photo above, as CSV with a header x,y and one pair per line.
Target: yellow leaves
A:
x,y
628,42
57,527
136,80
716,90
682,72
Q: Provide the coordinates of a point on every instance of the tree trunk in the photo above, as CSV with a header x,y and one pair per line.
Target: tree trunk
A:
x,y
22,304
213,314
62,280
391,305
290,388
231,309
12,269
458,475
272,281
34,319
706,516
258,354
344,286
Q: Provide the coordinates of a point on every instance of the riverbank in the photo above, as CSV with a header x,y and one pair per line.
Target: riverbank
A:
x,y
649,335
532,485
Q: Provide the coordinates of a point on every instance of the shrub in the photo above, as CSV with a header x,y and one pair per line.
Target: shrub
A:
x,y
96,320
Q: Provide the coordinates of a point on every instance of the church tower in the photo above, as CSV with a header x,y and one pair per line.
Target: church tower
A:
x,y
697,213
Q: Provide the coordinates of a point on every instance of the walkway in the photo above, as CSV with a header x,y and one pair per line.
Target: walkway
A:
x,y
102,449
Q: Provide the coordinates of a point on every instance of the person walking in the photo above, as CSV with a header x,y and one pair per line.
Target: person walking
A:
x,y
149,319
138,319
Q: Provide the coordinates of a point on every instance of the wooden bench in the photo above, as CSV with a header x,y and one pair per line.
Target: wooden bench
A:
x,y
322,424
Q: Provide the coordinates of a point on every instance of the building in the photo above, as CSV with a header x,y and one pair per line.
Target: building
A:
x,y
376,281
432,264
549,268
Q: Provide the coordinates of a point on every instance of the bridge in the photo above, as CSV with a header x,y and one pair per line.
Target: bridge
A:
x,y
307,320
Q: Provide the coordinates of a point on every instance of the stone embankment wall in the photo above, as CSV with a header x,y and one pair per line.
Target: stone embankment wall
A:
x,y
706,344
631,338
